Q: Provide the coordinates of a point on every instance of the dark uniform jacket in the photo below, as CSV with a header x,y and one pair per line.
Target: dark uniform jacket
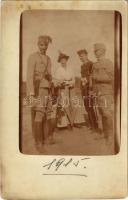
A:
x,y
86,70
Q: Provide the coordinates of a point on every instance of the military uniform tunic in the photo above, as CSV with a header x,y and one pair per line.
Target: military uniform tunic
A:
x,y
103,83
37,84
103,73
86,70
37,64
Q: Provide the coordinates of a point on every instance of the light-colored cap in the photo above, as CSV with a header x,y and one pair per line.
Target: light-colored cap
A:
x,y
99,46
44,38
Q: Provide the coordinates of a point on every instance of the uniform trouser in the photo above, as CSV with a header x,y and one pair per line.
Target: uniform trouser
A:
x,y
88,103
40,120
105,107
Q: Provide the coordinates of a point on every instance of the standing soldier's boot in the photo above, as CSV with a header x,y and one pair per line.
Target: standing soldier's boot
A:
x,y
33,119
48,131
91,121
44,131
107,124
52,125
38,135
105,127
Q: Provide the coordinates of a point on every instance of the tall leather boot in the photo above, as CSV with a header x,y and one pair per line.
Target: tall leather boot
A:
x,y
106,127
52,125
33,112
92,119
44,132
38,135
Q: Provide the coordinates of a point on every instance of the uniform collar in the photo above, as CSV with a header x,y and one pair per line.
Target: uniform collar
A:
x,y
41,54
86,62
101,58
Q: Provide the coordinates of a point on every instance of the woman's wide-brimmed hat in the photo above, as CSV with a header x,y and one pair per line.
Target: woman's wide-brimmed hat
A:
x,y
62,55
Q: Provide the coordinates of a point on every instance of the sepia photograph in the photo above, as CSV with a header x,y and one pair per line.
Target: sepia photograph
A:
x,y
64,99
70,82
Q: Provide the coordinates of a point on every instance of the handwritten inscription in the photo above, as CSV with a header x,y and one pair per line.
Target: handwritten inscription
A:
x,y
62,163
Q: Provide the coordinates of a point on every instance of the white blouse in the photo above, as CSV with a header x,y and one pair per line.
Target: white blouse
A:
x,y
65,74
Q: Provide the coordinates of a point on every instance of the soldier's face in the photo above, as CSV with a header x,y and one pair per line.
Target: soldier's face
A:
x,y
99,53
83,57
43,46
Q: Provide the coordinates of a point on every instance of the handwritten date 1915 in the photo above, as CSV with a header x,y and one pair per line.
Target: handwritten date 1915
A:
x,y
56,164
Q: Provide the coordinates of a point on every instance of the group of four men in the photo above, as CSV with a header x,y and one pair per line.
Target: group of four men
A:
x,y
96,85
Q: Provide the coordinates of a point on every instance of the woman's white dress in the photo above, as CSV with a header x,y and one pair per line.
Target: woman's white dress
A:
x,y
77,111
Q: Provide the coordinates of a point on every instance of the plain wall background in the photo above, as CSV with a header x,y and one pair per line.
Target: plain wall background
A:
x,y
70,31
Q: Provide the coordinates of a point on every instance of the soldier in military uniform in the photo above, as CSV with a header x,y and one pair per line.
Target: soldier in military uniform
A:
x,y
86,87
102,76
38,85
